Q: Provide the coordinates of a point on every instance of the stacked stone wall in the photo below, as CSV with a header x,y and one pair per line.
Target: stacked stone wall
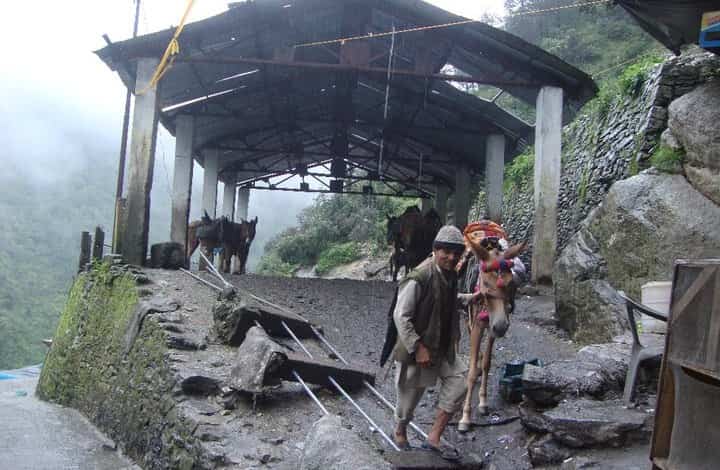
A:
x,y
600,149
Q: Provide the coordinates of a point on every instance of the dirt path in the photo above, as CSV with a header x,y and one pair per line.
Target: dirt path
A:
x,y
269,432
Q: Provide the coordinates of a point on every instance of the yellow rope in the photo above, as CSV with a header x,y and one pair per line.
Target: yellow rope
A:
x,y
448,25
173,49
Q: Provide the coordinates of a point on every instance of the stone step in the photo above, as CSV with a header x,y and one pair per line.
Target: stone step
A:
x,y
419,459
589,423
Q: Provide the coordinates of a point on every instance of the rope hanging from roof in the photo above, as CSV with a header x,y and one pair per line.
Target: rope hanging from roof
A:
x,y
387,103
172,50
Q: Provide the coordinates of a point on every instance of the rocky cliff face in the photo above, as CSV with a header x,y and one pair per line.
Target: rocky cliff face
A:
x,y
645,223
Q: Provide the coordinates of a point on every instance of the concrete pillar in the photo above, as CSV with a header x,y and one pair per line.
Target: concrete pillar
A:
x,y
494,174
425,205
548,136
182,179
229,197
441,198
462,196
210,182
243,202
140,165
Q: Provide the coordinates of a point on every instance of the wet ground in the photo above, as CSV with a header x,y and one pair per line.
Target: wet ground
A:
x,y
353,316
35,435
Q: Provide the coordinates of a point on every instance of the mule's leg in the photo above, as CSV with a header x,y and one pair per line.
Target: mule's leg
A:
x,y
482,393
473,373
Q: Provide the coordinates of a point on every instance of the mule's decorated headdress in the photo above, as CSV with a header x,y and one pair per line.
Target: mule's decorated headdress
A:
x,y
490,228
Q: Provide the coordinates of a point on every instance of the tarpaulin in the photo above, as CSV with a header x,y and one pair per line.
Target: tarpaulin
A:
x,y
674,23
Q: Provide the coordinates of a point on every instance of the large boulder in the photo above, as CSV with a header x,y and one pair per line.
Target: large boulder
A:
x,y
693,120
645,223
330,446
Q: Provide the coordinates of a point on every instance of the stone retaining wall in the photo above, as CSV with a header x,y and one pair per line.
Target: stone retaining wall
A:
x,y
117,374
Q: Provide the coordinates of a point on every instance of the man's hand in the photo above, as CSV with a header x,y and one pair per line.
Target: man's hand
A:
x,y
422,355
476,297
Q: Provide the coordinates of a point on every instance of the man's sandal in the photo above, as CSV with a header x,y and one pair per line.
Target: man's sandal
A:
x,y
445,452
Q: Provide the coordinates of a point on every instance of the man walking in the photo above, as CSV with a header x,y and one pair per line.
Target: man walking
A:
x,y
428,332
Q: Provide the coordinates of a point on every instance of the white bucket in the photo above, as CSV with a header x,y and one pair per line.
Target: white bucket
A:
x,y
655,295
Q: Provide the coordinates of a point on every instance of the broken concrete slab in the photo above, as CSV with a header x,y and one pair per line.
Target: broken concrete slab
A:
x,y
331,446
232,320
318,371
257,362
589,423
261,362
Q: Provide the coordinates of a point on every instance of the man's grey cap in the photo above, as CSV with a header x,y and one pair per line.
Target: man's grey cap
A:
x,y
450,235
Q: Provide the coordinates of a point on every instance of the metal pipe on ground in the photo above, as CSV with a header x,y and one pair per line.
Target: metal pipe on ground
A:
x,y
297,376
345,394
302,382
372,389
322,338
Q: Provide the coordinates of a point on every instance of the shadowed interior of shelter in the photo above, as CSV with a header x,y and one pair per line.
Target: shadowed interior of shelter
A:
x,y
319,89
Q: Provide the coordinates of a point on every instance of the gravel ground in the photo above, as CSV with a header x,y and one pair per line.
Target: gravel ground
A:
x,y
269,432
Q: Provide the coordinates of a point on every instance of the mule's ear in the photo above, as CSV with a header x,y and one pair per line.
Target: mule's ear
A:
x,y
515,250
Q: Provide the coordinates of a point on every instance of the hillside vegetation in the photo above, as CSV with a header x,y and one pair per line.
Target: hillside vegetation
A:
x,y
335,230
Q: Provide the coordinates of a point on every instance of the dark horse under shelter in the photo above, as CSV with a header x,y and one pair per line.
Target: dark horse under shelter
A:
x,y
411,234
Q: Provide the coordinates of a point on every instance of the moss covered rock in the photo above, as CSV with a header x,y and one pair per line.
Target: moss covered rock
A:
x,y
124,387
645,224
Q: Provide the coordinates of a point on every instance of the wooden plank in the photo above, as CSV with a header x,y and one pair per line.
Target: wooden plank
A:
x,y
713,352
681,306
99,244
85,242
664,412
317,371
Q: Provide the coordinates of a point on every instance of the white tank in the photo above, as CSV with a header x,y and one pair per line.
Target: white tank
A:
x,y
655,295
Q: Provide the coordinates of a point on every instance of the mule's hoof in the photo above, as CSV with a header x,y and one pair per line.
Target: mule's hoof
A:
x,y
463,427
483,410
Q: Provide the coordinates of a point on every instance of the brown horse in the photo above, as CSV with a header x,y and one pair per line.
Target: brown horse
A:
x,y
237,243
494,292
205,233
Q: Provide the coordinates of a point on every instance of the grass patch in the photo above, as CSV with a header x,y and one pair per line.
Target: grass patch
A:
x,y
668,160
583,187
520,171
337,255
271,264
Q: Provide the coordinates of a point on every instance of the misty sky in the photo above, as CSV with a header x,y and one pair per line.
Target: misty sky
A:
x,y
57,97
